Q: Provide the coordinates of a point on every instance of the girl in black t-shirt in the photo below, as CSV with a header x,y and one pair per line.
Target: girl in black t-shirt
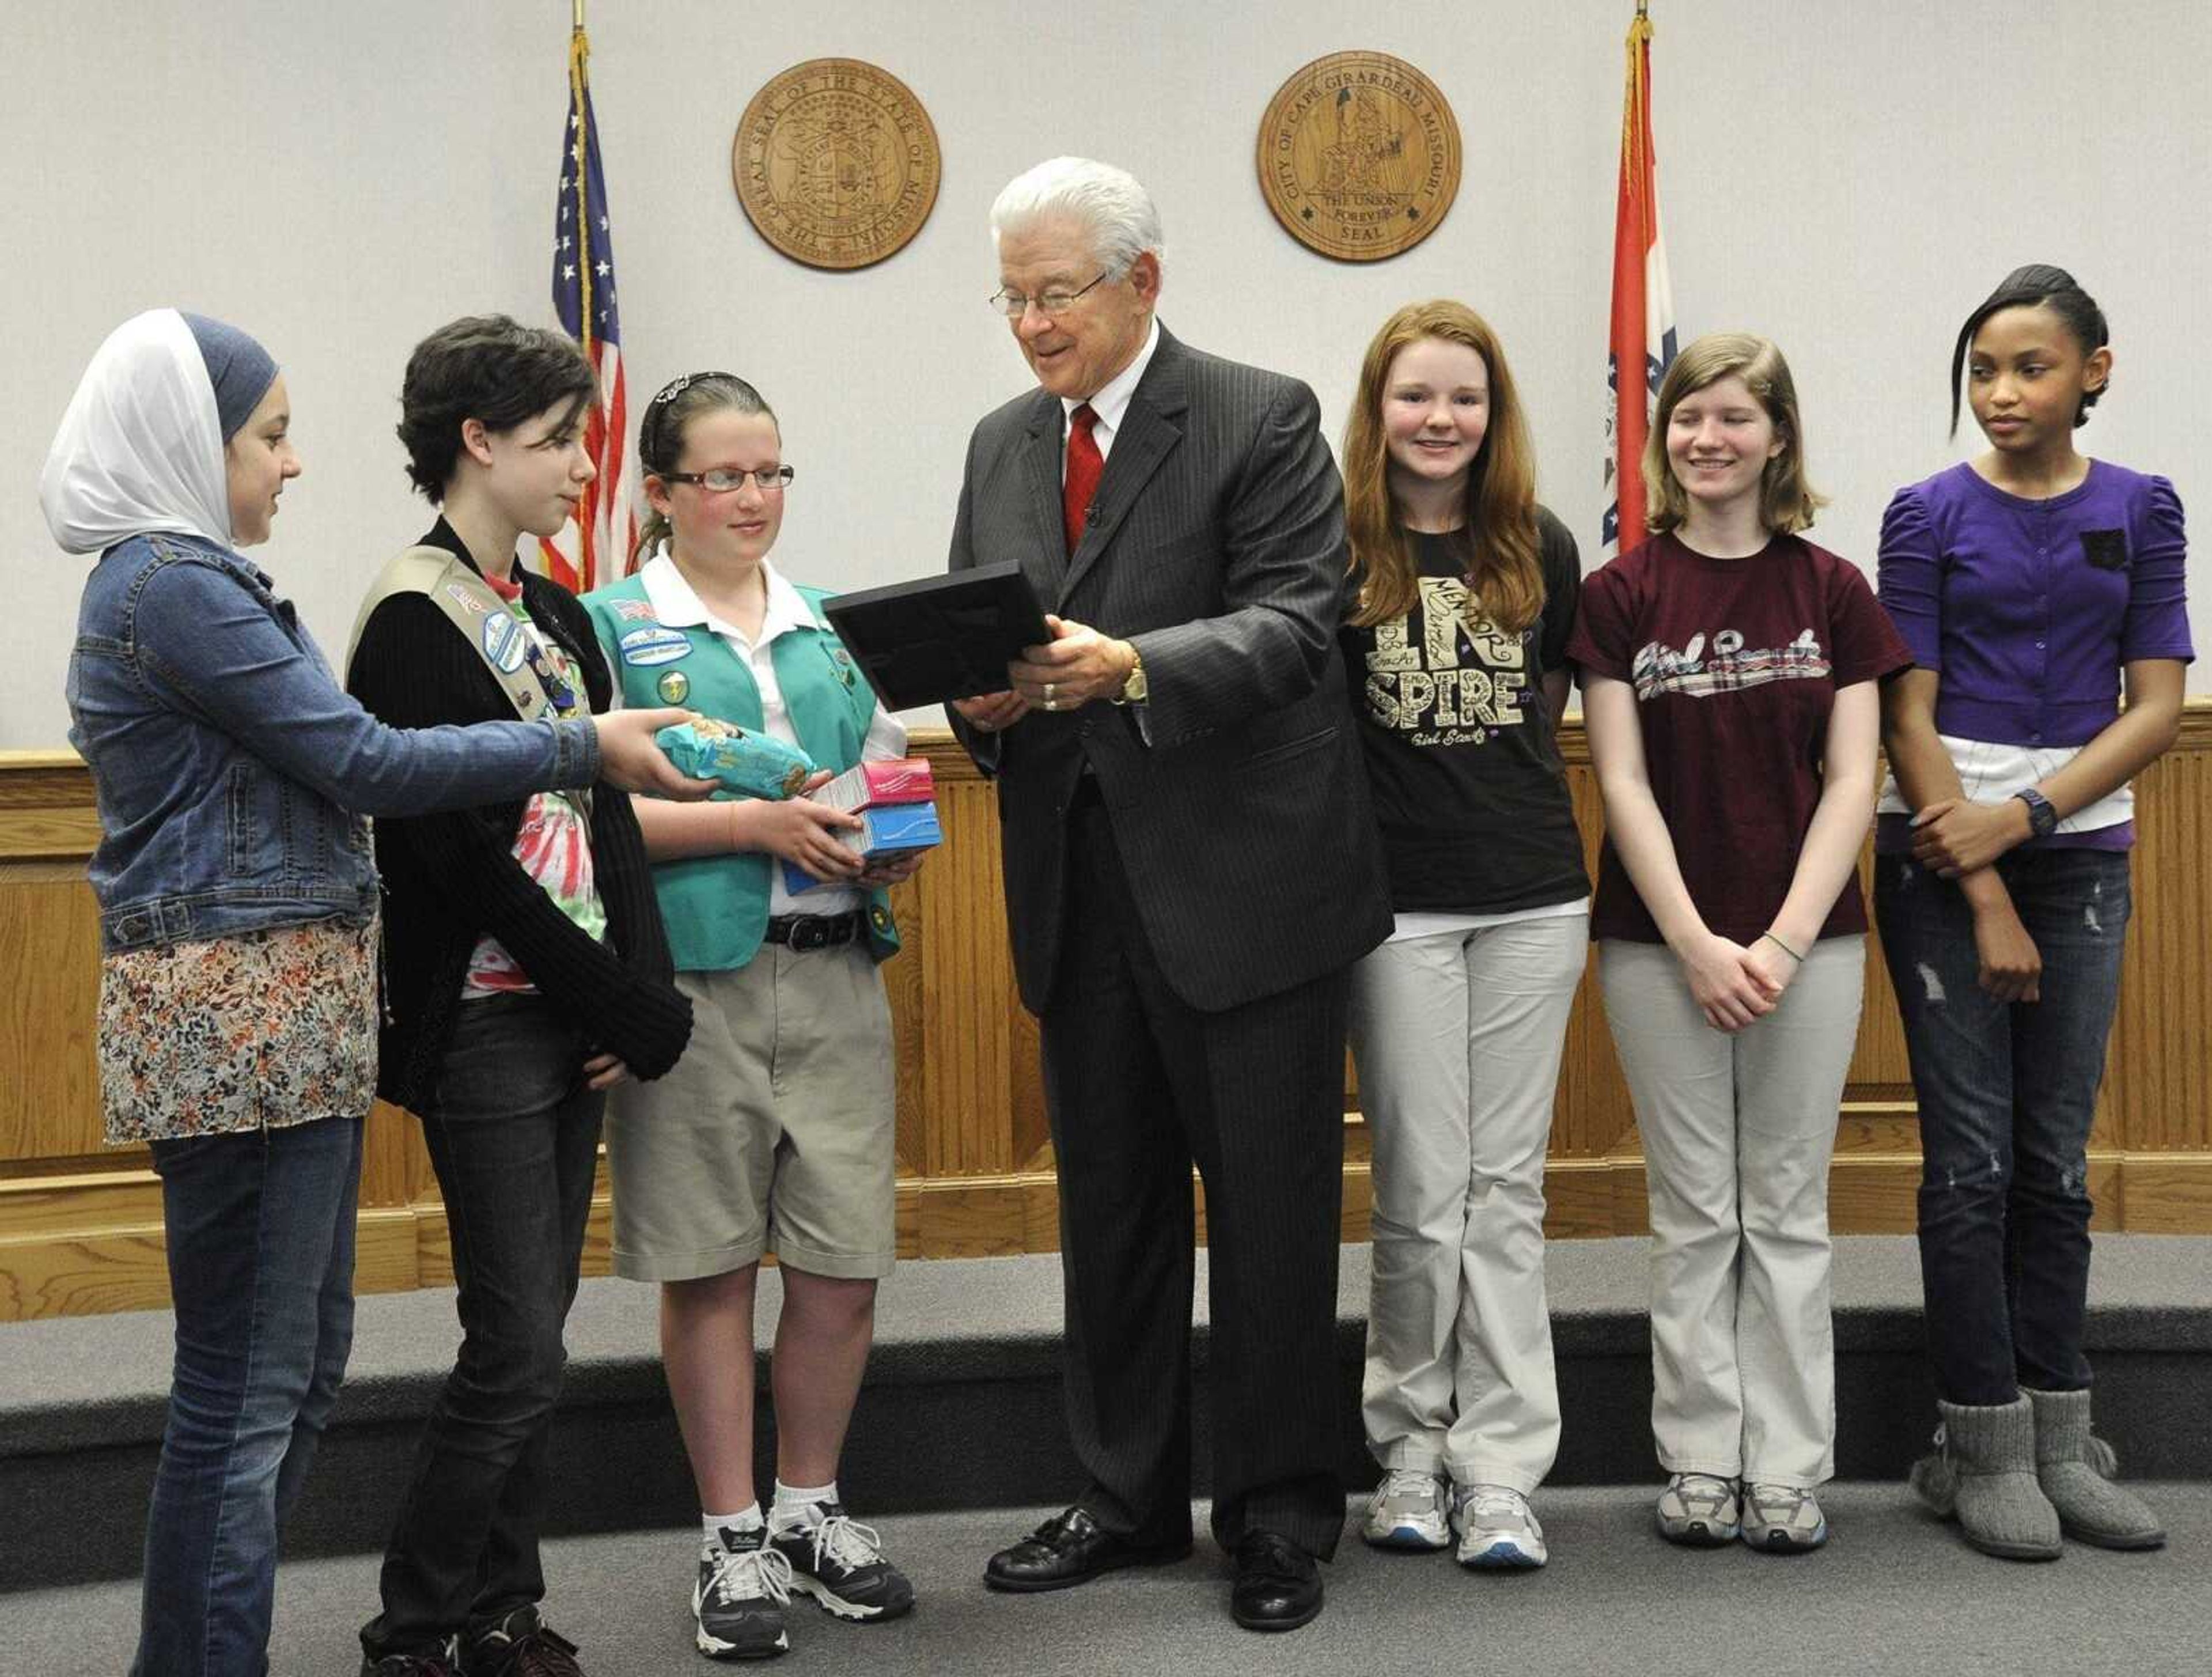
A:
x,y
1456,655
1729,673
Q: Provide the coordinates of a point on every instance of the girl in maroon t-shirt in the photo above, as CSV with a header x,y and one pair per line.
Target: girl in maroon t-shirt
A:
x,y
1728,671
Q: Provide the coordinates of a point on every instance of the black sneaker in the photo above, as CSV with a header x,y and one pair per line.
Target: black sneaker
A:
x,y
520,1645
738,1599
840,1563
440,1664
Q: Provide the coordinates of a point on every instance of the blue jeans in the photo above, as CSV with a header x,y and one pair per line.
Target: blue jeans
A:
x,y
261,1236
515,1137
2007,1093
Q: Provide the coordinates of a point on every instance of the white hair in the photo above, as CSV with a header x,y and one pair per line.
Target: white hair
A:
x,y
1111,203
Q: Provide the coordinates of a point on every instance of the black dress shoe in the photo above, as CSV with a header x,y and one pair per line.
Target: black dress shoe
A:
x,y
1278,1583
1071,1548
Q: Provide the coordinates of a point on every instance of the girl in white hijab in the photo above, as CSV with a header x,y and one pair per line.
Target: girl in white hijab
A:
x,y
237,928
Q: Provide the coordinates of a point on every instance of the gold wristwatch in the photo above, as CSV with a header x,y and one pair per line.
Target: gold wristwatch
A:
x,y
1134,689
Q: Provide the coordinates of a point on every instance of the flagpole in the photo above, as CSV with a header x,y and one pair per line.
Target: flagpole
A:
x,y
579,52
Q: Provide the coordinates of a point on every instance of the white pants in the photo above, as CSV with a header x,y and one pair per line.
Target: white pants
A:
x,y
1458,1038
1738,1132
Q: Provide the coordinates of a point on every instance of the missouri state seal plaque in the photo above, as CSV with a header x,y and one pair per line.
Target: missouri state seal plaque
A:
x,y
836,163
1359,156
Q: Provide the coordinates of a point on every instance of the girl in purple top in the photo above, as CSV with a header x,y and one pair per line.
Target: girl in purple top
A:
x,y
2031,583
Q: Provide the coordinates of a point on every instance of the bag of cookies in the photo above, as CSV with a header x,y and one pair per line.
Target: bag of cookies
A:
x,y
748,764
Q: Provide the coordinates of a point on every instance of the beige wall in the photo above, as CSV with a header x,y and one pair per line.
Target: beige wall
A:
x,y
338,179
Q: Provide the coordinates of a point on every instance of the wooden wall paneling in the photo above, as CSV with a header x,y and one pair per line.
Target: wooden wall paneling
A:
x,y
80,1223
2158,1074
967,971
50,953
1879,1064
1031,1142
47,809
903,985
81,1245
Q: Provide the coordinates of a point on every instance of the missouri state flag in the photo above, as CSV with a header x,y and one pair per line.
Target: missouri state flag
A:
x,y
1643,342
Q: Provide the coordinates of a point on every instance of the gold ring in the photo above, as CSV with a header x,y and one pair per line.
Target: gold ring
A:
x,y
1048,690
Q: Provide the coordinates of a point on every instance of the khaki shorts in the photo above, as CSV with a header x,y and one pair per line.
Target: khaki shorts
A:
x,y
776,1132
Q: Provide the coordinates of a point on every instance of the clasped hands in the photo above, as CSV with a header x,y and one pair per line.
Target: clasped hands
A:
x,y
1734,984
1955,836
1066,672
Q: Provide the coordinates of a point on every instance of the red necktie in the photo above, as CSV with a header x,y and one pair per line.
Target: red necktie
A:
x,y
1084,465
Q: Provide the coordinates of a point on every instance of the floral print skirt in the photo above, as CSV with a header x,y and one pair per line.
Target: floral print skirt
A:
x,y
260,1031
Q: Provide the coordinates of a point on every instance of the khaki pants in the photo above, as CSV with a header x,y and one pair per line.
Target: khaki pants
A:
x,y
1738,1132
1457,1038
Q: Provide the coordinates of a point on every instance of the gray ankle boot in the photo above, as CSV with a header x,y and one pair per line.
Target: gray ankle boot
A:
x,y
1983,1474
2076,1469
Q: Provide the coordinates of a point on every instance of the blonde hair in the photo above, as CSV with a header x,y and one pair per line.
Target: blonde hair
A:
x,y
1504,573
1786,501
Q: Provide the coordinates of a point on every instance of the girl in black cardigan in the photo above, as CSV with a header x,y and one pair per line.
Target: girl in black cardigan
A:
x,y
526,971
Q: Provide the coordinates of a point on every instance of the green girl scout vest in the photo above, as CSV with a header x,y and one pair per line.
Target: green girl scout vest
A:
x,y
717,907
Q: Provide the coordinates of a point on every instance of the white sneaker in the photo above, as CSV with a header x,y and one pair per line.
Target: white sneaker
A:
x,y
1783,1519
1497,1529
1407,1511
1700,1509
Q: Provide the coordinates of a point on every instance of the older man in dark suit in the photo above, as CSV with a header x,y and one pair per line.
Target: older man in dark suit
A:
x,y
1191,866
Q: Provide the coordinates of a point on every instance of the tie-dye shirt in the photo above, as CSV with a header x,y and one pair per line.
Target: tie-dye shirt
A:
x,y
553,844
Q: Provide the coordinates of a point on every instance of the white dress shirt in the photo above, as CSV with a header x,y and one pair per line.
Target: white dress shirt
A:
x,y
1111,402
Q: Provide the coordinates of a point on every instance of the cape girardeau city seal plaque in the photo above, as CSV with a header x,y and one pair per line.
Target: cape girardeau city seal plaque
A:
x,y
836,163
1359,156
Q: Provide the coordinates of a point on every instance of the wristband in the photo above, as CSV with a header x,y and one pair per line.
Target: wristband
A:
x,y
1783,947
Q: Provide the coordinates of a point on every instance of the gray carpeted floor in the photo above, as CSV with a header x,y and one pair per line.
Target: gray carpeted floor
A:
x,y
1895,1593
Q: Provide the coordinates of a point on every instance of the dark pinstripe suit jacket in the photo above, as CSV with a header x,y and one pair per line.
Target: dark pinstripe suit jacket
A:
x,y
1216,545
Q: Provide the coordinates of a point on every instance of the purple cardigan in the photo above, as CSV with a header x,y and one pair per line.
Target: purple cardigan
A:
x,y
2028,609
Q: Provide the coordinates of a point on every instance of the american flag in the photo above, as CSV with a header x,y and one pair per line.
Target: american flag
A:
x,y
596,547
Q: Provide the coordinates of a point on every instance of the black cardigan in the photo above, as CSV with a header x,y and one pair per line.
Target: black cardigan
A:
x,y
449,879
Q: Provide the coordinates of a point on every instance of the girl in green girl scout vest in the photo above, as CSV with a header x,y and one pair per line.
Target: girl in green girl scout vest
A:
x,y
776,1130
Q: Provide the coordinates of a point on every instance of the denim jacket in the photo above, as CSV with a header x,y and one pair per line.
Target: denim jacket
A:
x,y
231,770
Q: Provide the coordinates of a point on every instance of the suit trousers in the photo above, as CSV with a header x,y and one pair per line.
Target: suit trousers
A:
x,y
1458,1036
1738,1132
1141,1086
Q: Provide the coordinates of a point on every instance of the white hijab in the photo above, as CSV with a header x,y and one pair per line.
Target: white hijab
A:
x,y
141,446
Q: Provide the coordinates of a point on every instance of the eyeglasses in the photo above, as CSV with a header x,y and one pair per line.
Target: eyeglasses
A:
x,y
1014,304
720,480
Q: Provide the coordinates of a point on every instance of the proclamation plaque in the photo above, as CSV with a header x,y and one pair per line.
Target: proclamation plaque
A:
x,y
836,163
1359,155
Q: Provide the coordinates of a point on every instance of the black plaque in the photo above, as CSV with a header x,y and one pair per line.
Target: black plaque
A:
x,y
942,638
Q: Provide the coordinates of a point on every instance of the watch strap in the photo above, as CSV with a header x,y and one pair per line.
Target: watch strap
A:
x,y
2042,814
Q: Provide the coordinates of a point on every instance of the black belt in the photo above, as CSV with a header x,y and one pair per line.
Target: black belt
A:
x,y
805,932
